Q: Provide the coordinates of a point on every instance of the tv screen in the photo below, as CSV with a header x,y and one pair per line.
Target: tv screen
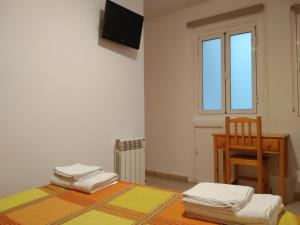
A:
x,y
122,25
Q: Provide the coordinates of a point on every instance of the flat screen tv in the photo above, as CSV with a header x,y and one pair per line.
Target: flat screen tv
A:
x,y
122,25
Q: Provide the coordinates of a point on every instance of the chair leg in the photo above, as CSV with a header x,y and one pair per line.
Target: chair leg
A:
x,y
266,176
228,171
260,179
236,173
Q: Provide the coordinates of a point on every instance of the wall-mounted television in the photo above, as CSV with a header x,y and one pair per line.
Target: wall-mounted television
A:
x,y
122,25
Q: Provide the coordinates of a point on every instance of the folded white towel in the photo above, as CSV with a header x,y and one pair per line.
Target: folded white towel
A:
x,y
273,221
88,185
262,209
231,197
77,171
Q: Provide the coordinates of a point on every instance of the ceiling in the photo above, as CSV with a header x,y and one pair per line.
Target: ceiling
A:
x,y
156,8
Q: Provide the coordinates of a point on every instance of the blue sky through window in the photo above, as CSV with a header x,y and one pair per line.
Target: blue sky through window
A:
x,y
211,75
241,71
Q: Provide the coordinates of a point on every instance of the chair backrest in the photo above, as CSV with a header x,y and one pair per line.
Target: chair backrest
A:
x,y
245,135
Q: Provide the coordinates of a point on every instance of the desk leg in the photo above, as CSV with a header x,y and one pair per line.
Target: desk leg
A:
x,y
282,160
216,163
224,167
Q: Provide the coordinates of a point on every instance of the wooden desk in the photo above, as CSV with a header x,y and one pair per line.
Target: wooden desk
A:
x,y
272,144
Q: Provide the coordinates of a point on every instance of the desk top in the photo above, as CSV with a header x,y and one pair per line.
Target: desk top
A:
x,y
264,135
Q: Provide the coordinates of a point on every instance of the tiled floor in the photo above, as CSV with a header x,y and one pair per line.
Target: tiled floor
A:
x,y
294,207
182,186
177,186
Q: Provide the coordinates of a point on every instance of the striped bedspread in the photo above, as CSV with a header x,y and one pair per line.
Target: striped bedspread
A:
x,y
120,204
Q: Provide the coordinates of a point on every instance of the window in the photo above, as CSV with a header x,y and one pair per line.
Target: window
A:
x,y
227,72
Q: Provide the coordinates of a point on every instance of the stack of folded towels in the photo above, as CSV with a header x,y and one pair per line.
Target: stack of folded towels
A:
x,y
231,204
83,178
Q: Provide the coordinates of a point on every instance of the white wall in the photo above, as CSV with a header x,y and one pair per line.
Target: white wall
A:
x,y
64,98
169,89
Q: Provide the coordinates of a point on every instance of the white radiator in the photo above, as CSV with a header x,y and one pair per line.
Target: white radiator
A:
x,y
130,160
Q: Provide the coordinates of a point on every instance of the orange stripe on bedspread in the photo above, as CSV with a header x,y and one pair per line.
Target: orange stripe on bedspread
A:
x,y
174,214
121,212
52,189
109,191
84,199
77,198
4,220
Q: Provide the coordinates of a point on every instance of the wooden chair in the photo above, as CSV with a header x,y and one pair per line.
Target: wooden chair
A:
x,y
243,140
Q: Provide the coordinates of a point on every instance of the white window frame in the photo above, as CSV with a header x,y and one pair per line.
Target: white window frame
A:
x,y
252,30
200,78
225,77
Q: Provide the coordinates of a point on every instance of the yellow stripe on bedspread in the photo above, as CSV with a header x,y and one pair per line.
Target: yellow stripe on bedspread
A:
x,y
142,199
94,217
21,198
44,212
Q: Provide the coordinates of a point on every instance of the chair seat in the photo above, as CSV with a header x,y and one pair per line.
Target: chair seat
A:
x,y
241,159
247,156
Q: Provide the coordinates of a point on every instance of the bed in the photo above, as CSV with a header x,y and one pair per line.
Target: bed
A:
x,y
119,204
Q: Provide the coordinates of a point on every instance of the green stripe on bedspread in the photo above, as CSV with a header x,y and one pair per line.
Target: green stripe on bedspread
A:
x,y
94,217
21,198
142,199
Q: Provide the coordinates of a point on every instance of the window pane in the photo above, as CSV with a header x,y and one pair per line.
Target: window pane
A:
x,y
211,75
241,71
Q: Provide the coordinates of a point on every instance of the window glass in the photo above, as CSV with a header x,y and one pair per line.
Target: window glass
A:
x,y
241,71
211,75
